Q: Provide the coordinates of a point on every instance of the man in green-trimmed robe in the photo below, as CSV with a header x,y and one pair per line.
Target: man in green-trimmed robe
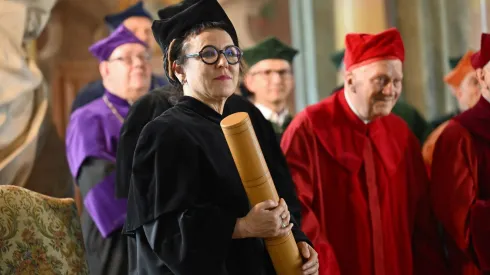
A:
x,y
419,126
270,80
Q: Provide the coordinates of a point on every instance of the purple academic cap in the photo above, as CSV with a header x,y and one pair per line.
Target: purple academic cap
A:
x,y
103,49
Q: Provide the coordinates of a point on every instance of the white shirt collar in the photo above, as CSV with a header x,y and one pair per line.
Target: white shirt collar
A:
x,y
487,99
272,116
351,106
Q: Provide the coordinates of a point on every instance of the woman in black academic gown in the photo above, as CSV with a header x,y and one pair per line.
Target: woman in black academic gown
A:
x,y
187,207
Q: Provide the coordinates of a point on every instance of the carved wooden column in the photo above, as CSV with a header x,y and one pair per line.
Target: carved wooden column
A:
x,y
69,78
458,32
459,20
312,30
415,72
325,29
475,23
368,16
239,12
425,30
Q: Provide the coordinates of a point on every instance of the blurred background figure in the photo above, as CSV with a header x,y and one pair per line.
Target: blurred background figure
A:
x,y
91,143
465,88
412,117
461,178
137,20
463,84
73,27
270,80
357,166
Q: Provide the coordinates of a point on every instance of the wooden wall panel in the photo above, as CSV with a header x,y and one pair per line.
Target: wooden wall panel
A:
x,y
69,77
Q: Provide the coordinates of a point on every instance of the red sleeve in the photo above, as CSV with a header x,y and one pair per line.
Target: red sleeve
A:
x,y
454,190
428,253
299,146
480,232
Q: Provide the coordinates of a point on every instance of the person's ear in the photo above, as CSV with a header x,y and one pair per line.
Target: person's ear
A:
x,y
480,75
179,72
248,82
457,92
104,69
349,79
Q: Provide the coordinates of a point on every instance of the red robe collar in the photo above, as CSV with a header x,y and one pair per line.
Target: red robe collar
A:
x,y
477,119
344,135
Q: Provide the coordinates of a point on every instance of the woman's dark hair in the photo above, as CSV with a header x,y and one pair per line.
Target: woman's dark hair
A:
x,y
175,50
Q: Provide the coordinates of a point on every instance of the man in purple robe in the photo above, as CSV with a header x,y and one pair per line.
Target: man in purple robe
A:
x,y
91,142
138,21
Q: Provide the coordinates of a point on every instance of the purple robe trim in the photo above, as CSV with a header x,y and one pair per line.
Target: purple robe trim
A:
x,y
107,212
93,131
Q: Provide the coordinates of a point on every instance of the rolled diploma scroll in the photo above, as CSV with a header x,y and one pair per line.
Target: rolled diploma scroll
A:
x,y
258,184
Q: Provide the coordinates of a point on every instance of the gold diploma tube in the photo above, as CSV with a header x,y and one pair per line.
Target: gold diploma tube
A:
x,y
258,184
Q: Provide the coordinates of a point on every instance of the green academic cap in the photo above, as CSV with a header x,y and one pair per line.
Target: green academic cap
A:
x,y
453,61
270,48
337,58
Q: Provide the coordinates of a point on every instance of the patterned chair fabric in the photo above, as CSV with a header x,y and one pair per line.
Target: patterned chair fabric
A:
x,y
39,234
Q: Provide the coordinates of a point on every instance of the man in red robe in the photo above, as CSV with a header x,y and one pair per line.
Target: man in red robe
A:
x,y
359,172
461,178
465,87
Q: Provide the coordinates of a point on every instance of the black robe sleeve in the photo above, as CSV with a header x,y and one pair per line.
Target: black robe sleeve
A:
x,y
278,168
104,255
141,112
170,202
92,172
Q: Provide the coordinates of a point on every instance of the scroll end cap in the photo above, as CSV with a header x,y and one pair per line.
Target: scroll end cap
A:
x,y
234,120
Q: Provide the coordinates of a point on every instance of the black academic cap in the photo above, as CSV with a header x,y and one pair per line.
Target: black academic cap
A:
x,y
178,19
453,61
269,48
114,20
337,58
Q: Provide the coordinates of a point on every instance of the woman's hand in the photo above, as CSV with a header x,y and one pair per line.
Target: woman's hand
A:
x,y
265,220
311,266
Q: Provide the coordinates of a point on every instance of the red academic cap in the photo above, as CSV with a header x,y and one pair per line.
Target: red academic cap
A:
x,y
481,58
362,48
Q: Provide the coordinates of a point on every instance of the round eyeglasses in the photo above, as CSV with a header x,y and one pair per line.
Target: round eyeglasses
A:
x,y
210,54
129,60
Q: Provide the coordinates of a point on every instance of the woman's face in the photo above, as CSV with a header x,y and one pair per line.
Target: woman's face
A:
x,y
216,81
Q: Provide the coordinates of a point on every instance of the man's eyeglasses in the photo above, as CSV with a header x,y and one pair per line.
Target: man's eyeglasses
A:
x,y
145,58
210,55
269,73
